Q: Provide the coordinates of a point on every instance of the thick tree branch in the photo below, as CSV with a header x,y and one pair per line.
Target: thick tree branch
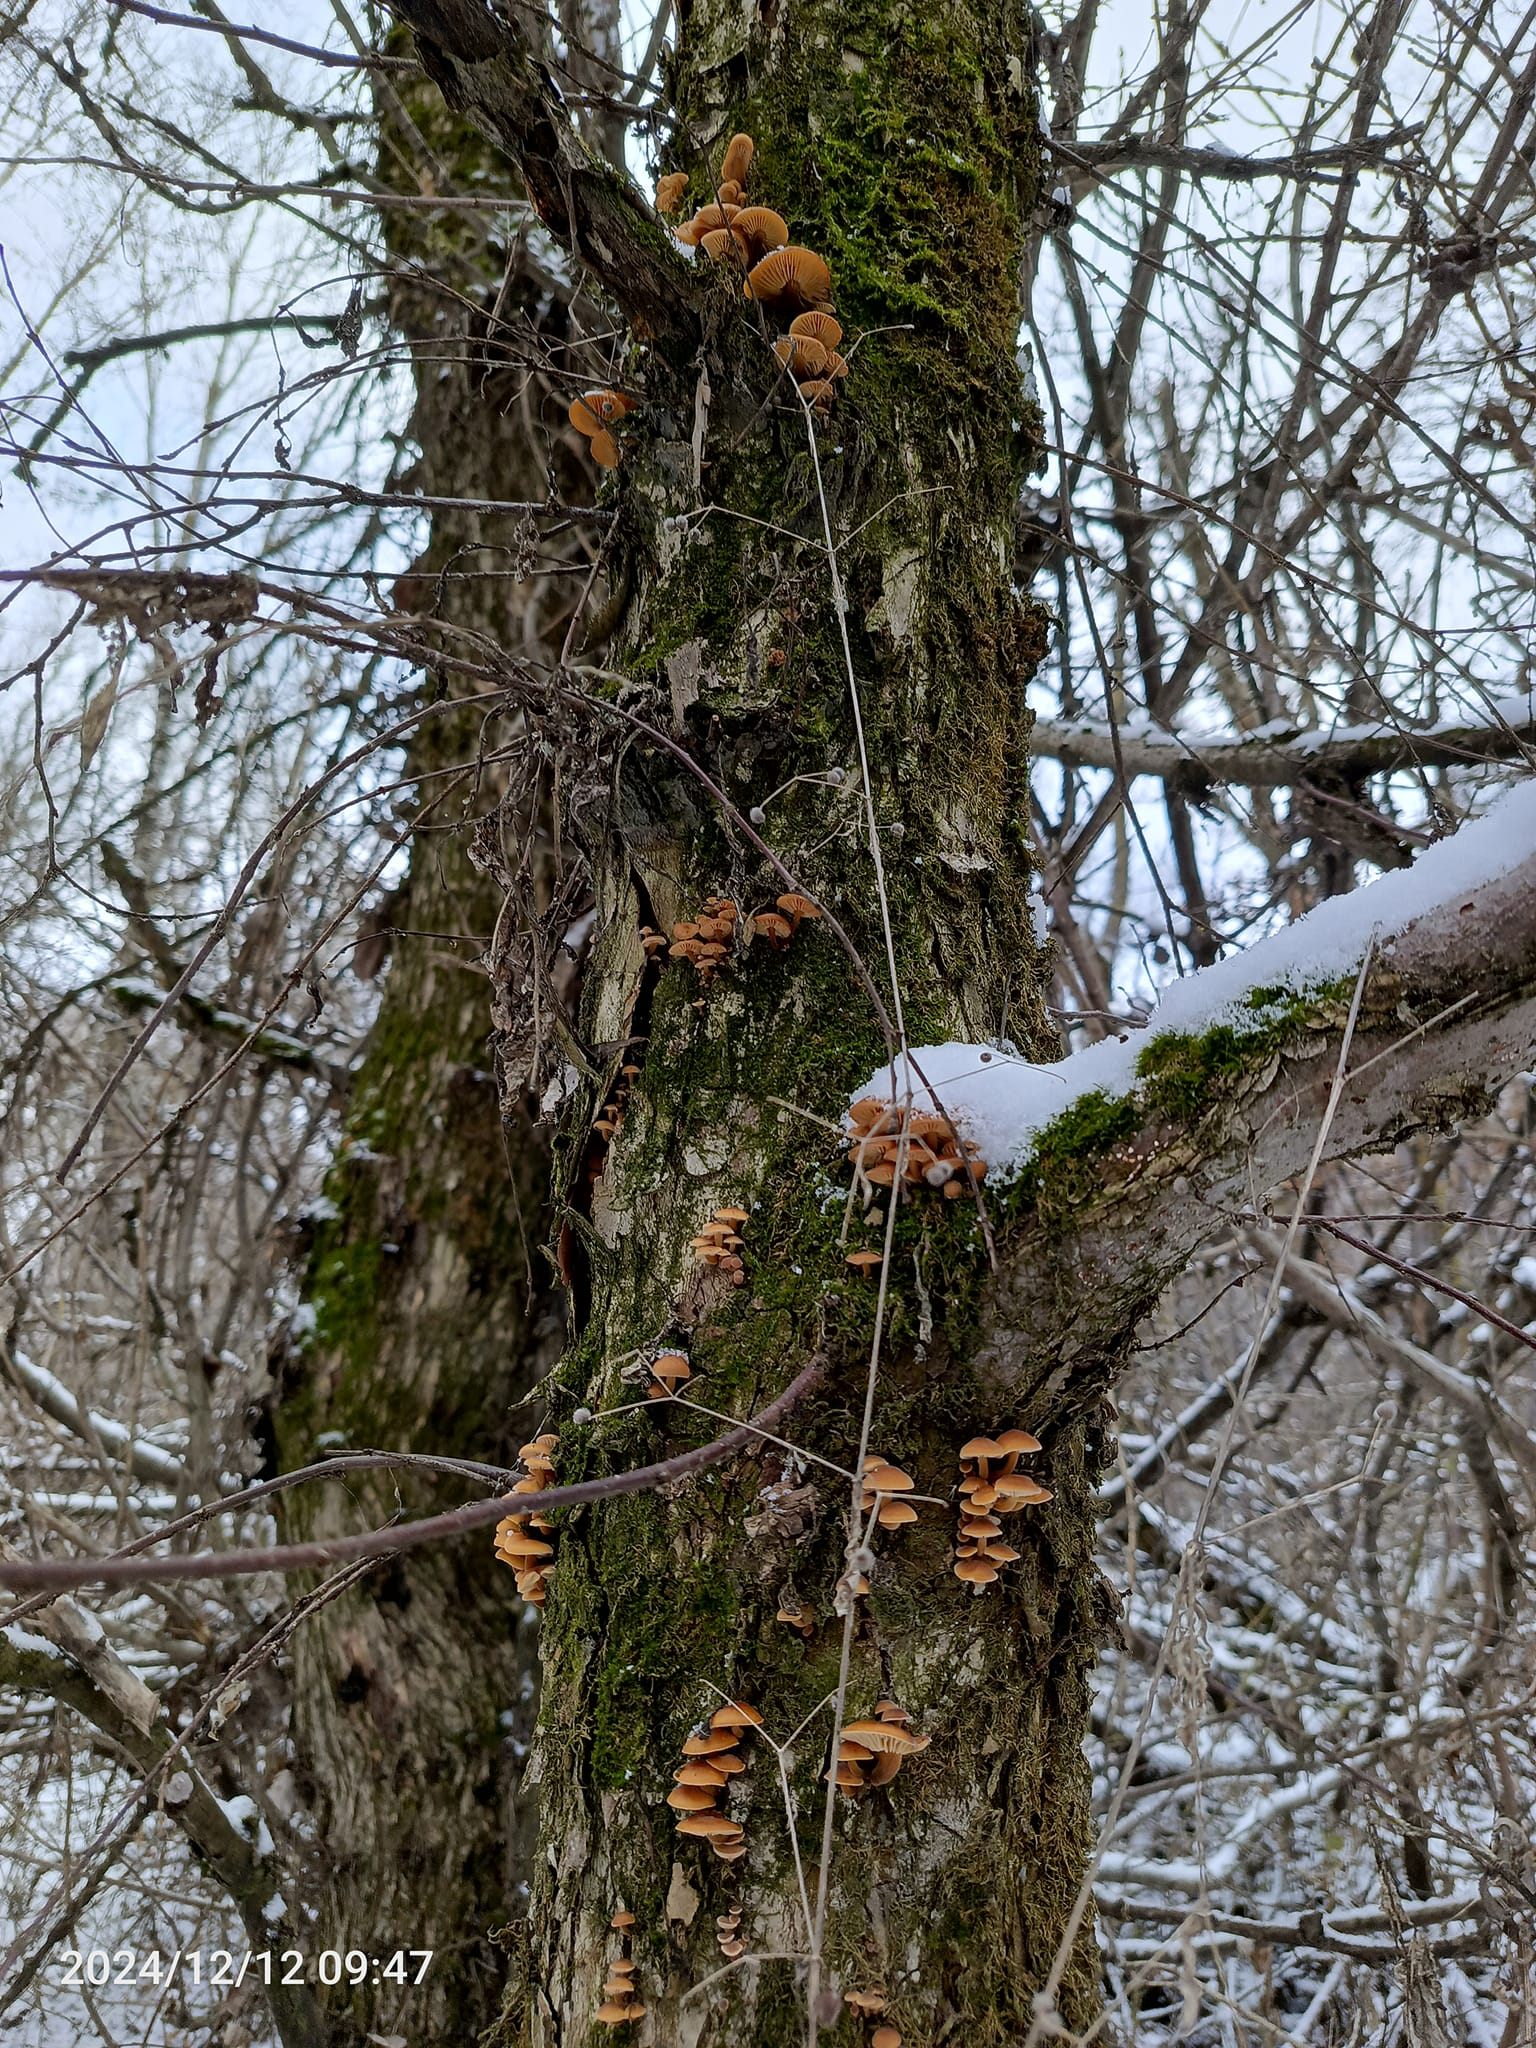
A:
x,y
1274,758
486,71
1130,1181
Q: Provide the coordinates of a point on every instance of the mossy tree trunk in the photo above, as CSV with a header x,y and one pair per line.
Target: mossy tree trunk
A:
x,y
900,144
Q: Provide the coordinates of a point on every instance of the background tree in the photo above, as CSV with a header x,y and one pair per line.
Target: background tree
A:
x,y
1286,593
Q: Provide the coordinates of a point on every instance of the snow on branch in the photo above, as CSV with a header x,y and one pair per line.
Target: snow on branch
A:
x,y
1458,927
1279,755
143,1460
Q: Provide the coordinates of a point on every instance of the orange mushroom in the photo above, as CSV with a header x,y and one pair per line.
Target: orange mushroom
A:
x,y
885,2037
817,326
789,276
737,160
762,227
669,190
865,1260
802,358
605,450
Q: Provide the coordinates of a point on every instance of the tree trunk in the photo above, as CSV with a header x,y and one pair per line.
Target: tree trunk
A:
x,y
901,146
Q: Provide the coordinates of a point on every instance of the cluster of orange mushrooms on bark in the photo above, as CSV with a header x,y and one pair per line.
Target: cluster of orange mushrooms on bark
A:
x,y
990,1487
708,941
620,2005
517,1544
719,1244
711,1758
612,1118
868,2004
728,1933
920,1144
870,1753
593,415
779,275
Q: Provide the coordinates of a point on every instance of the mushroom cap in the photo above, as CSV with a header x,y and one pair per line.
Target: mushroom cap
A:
x,y
880,1477
1019,1486
981,1447
763,228
517,1543
975,1571
583,418
617,1987
850,1752
817,327
692,1798
793,904
885,2037
623,1918
847,1778
866,1112
864,1260
707,1826
884,1768
729,1921
709,217
816,389
729,190
885,1737
864,2001
698,1772
737,160
712,1744
895,1514
719,242
1019,1440
670,189
733,1947
623,1966
892,1710
733,1215
728,1761
613,2013
737,1715
605,450
609,406
837,366
772,926
1000,1553
791,275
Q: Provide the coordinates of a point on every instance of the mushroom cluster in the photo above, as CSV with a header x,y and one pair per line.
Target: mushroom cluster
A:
x,y
620,2004
923,1144
668,1371
727,1926
882,1483
592,415
612,1118
516,1543
711,1758
870,1753
706,941
669,190
779,925
991,1486
719,1244
867,2004
727,230
809,353
794,1613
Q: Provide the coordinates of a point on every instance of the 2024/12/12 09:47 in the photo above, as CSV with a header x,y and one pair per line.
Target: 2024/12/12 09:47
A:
x,y
267,1966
